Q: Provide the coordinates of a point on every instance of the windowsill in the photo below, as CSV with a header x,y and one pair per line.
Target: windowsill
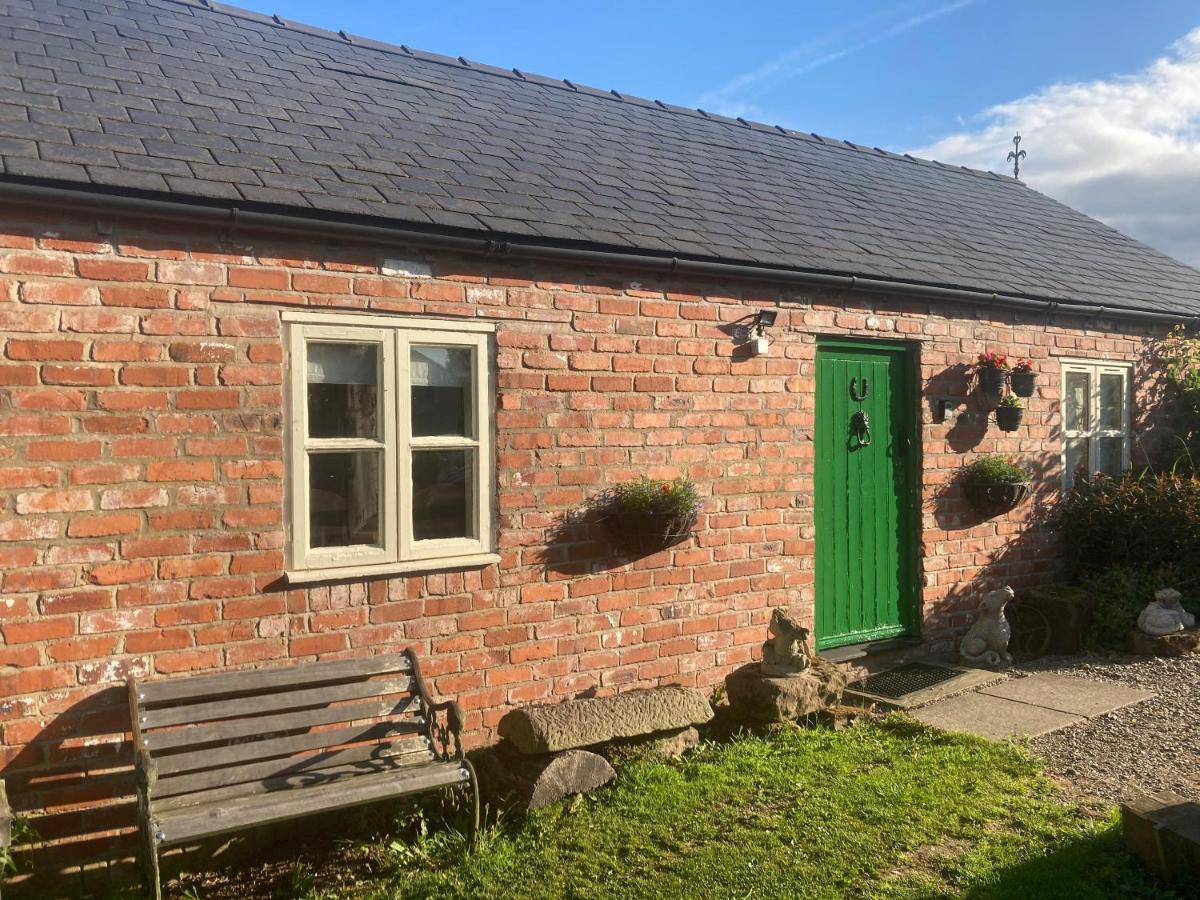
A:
x,y
344,573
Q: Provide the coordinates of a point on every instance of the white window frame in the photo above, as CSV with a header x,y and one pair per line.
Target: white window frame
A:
x,y
1094,369
399,551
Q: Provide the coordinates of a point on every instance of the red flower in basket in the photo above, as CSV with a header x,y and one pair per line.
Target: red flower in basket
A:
x,y
993,360
1022,365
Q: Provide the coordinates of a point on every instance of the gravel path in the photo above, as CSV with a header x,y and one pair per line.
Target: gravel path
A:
x,y
1148,748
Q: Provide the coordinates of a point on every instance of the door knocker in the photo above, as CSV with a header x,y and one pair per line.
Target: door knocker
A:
x,y
854,394
861,426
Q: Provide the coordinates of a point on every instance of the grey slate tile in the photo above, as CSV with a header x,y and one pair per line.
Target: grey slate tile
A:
x,y
176,97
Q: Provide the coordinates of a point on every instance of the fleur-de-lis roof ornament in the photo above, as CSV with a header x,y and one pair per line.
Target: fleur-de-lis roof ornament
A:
x,y
1016,155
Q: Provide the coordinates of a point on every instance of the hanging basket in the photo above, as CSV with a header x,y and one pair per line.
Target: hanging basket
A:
x,y
991,381
1022,383
648,532
1008,418
995,499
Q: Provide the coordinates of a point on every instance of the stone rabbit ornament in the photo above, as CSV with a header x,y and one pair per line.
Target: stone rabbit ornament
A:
x,y
787,652
1165,614
987,641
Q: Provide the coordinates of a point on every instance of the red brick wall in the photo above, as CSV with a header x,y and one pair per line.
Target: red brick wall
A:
x,y
142,475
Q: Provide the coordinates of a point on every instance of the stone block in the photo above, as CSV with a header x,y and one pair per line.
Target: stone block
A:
x,y
531,782
584,723
764,698
1180,643
1164,832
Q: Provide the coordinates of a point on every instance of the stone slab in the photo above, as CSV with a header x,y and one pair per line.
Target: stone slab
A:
x,y
1068,694
993,717
582,723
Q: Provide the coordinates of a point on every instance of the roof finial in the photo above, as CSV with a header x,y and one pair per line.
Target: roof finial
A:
x,y
1016,155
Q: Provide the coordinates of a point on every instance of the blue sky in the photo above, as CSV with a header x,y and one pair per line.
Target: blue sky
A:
x,y
946,77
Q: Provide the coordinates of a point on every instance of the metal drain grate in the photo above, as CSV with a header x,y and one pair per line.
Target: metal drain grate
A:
x,y
904,680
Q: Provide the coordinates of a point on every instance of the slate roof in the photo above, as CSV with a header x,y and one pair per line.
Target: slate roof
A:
x,y
217,103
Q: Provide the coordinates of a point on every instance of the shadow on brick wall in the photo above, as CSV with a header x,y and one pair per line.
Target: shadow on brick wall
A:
x,y
73,782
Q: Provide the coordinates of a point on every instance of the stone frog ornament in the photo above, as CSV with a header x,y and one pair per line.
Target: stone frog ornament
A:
x,y
786,653
1165,614
987,641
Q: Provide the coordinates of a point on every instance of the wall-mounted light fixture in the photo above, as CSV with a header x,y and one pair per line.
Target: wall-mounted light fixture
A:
x,y
764,320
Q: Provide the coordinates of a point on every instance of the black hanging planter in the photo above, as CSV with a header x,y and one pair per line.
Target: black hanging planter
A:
x,y
644,533
991,381
1008,418
995,499
1022,383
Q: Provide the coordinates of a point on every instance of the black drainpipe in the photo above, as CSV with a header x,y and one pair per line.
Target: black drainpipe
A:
x,y
235,218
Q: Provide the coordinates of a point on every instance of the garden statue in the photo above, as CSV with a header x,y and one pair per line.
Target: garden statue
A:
x,y
786,653
1165,614
987,641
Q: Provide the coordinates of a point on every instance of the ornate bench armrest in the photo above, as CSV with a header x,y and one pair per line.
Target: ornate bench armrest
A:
x,y
439,734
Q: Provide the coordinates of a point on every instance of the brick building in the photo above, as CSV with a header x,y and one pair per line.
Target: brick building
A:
x,y
313,346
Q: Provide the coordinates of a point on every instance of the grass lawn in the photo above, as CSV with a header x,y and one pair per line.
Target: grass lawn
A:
x,y
880,810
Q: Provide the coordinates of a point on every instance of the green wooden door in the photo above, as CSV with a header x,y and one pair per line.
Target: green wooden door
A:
x,y
866,522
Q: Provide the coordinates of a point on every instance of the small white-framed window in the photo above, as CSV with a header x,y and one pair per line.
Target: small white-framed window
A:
x,y
1096,418
390,460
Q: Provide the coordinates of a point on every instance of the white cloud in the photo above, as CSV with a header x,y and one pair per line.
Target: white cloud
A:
x,y
735,97
1125,150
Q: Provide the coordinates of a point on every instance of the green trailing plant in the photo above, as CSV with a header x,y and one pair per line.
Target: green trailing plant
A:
x,y
1010,401
677,497
22,833
1181,353
1119,594
1144,522
992,470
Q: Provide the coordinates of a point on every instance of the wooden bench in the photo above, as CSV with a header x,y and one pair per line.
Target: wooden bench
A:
x,y
219,753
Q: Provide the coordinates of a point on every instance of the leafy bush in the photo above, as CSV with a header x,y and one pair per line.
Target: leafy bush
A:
x,y
674,498
1181,351
1011,400
989,470
1120,594
1143,522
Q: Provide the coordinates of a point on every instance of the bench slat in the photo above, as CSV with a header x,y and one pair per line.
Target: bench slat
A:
x,y
218,818
192,713
419,756
252,680
292,766
249,751
229,729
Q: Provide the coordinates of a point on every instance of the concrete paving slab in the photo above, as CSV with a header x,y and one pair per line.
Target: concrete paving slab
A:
x,y
1065,693
993,717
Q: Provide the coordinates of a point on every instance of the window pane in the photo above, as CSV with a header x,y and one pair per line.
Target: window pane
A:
x,y
1112,402
441,391
342,390
443,490
1077,455
1109,454
1077,402
343,498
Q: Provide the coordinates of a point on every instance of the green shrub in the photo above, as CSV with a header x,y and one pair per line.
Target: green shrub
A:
x,y
1120,594
676,498
1143,522
989,470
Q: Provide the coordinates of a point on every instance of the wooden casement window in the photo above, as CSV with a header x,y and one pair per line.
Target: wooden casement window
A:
x,y
390,462
1095,418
